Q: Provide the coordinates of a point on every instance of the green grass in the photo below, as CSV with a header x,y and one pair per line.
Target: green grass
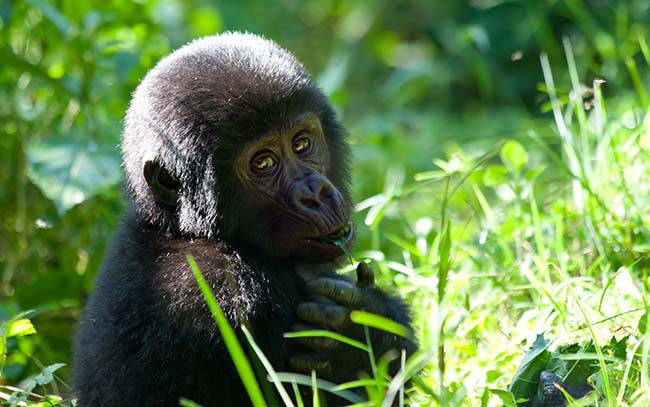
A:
x,y
548,234
552,238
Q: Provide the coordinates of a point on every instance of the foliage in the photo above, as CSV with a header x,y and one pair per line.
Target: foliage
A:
x,y
532,216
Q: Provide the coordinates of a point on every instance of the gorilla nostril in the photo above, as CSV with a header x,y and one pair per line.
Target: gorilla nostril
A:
x,y
309,203
326,192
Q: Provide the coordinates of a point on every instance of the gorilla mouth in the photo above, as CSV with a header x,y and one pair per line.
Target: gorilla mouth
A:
x,y
340,236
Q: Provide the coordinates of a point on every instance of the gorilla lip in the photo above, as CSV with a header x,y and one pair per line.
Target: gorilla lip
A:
x,y
342,234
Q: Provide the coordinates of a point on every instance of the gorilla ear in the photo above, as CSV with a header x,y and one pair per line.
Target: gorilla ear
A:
x,y
164,186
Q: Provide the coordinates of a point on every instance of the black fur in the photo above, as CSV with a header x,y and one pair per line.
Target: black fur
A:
x,y
146,337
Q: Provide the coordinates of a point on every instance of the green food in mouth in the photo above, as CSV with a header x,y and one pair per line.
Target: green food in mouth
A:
x,y
338,236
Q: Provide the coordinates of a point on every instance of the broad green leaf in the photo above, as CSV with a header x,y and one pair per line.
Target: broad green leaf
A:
x,y
514,156
526,380
69,171
20,327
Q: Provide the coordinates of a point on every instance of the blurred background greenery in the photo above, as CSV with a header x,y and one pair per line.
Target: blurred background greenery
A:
x,y
413,80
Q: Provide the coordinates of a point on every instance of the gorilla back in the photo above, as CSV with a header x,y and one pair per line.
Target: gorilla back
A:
x,y
233,155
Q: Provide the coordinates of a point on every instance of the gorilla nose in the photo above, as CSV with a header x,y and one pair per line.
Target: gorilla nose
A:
x,y
313,193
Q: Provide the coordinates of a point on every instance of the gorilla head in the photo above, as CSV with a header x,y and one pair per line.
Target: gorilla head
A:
x,y
228,138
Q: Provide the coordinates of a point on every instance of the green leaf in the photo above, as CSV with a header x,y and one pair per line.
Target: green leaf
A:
x,y
643,323
69,171
327,334
3,348
526,380
506,397
47,375
514,156
443,266
237,354
321,384
266,364
495,175
20,327
188,403
379,322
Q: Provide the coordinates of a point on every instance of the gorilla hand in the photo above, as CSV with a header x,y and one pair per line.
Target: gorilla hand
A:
x,y
334,299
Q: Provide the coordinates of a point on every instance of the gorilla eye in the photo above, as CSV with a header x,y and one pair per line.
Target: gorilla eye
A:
x,y
300,144
262,162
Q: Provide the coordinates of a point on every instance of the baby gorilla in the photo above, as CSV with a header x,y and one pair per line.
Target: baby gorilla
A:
x,y
233,155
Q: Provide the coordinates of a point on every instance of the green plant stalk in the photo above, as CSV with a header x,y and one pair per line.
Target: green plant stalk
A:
x,y
296,393
628,367
396,386
577,95
645,50
237,354
188,403
539,238
327,334
443,272
314,390
302,379
636,79
269,368
371,356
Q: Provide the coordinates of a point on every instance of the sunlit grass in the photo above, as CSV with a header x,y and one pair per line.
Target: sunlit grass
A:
x,y
553,239
548,234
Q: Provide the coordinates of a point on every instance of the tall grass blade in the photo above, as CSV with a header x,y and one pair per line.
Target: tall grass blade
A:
x,y
379,322
229,338
269,368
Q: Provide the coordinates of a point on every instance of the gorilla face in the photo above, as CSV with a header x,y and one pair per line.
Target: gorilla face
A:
x,y
293,210
228,138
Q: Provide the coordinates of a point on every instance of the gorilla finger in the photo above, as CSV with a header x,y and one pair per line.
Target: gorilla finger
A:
x,y
306,362
319,343
335,316
306,327
339,290
303,327
365,275
314,342
322,299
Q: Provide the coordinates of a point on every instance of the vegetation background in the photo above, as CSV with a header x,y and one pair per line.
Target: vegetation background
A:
x,y
501,169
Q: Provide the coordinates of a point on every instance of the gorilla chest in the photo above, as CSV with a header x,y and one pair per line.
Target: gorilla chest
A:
x,y
262,298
